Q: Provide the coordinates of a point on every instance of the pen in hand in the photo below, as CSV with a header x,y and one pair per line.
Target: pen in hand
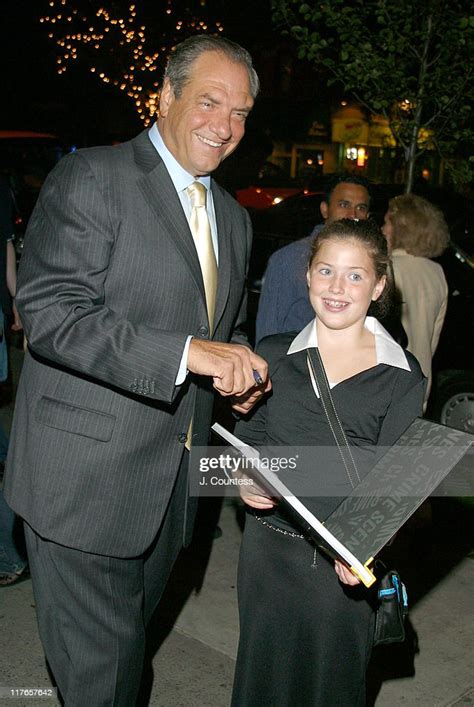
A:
x,y
257,377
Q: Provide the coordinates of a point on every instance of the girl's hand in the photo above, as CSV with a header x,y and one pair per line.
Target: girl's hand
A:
x,y
252,495
345,575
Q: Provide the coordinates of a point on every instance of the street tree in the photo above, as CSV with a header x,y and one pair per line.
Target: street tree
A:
x,y
408,61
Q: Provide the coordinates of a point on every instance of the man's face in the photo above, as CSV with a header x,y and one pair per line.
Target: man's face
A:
x,y
206,123
346,201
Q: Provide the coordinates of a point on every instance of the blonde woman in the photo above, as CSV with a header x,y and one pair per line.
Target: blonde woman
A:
x,y
416,231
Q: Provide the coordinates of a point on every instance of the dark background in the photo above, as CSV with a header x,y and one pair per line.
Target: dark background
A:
x,y
81,110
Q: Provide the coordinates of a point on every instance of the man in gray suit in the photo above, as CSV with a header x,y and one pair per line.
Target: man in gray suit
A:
x,y
124,354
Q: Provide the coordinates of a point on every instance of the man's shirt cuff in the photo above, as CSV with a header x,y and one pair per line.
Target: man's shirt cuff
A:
x,y
183,366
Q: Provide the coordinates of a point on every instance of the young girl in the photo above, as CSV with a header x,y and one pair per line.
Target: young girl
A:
x,y
306,625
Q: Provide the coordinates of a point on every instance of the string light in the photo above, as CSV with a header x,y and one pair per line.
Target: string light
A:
x,y
113,45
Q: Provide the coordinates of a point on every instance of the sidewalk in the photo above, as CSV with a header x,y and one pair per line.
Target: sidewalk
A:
x,y
195,634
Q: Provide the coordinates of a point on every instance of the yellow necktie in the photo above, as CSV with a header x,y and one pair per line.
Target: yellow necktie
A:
x,y
201,230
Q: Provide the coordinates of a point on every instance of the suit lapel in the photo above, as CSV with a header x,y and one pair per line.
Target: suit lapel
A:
x,y
224,230
159,192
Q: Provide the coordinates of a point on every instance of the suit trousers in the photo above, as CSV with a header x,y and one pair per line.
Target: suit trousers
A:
x,y
93,610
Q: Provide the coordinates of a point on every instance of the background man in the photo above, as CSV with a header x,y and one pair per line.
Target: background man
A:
x,y
117,277
284,304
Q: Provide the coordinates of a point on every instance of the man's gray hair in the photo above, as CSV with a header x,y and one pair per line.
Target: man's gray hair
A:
x,y
181,60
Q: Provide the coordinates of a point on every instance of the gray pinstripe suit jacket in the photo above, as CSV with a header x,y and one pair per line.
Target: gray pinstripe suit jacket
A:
x,y
109,288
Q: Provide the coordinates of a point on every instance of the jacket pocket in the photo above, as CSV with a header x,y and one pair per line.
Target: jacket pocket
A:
x,y
71,418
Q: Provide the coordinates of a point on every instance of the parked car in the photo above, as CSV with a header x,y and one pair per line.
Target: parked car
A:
x,y
270,186
452,397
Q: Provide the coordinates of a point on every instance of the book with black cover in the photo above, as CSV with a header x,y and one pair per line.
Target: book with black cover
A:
x,y
378,507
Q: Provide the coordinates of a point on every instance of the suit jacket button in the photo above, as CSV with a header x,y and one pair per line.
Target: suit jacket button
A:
x,y
203,331
182,437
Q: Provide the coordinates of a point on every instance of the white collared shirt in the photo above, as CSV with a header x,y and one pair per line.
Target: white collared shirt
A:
x,y
387,350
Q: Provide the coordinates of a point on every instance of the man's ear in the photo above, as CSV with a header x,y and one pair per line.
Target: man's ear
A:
x,y
308,280
324,208
166,98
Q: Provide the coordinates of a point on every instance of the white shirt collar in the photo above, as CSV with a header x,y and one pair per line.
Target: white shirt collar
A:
x,y
386,349
180,178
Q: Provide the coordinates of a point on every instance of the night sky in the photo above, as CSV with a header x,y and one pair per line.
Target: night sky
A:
x,y
75,105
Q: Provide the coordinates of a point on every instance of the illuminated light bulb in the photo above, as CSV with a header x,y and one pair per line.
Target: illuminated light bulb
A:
x,y
145,98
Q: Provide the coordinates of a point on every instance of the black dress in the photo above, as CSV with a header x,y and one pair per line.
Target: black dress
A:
x,y
305,638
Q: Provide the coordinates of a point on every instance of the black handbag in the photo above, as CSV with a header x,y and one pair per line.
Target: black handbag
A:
x,y
392,607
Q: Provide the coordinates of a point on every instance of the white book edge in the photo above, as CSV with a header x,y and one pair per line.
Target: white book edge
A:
x,y
360,570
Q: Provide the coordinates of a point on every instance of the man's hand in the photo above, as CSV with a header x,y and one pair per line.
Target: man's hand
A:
x,y
244,403
231,367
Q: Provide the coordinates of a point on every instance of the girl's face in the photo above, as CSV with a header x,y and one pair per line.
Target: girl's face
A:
x,y
342,283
